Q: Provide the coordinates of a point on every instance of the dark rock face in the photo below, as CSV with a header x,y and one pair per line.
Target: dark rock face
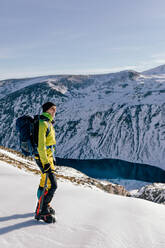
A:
x,y
154,192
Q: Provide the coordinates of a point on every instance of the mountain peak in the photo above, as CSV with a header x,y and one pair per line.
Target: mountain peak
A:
x,y
159,70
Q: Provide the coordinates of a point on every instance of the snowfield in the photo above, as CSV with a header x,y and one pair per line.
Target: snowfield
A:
x,y
86,218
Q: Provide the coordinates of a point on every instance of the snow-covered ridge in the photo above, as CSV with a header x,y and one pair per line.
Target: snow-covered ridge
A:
x,y
117,115
63,173
62,89
13,85
153,192
159,70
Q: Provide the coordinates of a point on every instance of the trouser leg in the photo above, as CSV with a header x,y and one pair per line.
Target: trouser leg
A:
x,y
51,190
51,183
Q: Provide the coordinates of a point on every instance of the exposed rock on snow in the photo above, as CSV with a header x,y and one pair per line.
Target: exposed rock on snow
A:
x,y
63,173
154,192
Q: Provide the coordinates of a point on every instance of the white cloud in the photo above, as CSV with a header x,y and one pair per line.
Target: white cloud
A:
x,y
160,61
158,58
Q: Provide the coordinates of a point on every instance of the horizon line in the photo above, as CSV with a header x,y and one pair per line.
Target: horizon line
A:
x,y
90,73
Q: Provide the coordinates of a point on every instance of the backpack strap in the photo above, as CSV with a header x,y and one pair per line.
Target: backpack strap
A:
x,y
48,130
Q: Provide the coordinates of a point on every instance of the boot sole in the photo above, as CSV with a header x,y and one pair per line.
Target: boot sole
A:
x,y
43,217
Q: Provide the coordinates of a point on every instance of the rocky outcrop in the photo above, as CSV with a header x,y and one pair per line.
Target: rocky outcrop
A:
x,y
154,192
62,172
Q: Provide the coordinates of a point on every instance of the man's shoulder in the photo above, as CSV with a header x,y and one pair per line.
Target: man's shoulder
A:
x,y
43,123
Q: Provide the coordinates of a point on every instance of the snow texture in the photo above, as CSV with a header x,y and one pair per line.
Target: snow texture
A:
x,y
85,218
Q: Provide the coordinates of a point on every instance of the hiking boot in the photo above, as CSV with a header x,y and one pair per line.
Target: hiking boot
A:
x,y
51,210
48,218
45,211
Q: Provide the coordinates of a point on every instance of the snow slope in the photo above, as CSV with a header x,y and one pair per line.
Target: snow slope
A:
x,y
159,70
87,218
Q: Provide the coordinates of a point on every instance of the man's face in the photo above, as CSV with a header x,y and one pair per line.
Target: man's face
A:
x,y
52,111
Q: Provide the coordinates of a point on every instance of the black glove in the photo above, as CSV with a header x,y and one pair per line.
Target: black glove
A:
x,y
47,168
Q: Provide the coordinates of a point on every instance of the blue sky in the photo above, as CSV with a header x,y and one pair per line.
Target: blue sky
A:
x,y
42,37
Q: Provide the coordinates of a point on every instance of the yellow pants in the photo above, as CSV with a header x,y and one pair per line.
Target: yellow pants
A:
x,y
43,175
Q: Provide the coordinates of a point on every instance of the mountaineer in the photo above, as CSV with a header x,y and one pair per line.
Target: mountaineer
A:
x,y
45,159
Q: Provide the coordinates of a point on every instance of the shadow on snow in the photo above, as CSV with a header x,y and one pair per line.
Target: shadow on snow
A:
x,y
20,225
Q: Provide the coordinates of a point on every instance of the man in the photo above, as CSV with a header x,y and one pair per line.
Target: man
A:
x,y
45,158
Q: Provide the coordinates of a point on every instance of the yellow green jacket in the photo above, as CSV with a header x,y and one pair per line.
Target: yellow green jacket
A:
x,y
46,153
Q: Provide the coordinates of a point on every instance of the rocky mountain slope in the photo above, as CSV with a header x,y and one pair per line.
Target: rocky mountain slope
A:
x,y
159,70
118,115
153,192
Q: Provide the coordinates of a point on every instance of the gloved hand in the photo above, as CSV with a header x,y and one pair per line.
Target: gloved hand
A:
x,y
47,168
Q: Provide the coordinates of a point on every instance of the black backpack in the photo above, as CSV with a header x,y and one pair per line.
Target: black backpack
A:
x,y
28,128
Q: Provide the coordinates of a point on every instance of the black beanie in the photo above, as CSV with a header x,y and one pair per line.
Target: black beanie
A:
x,y
47,106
